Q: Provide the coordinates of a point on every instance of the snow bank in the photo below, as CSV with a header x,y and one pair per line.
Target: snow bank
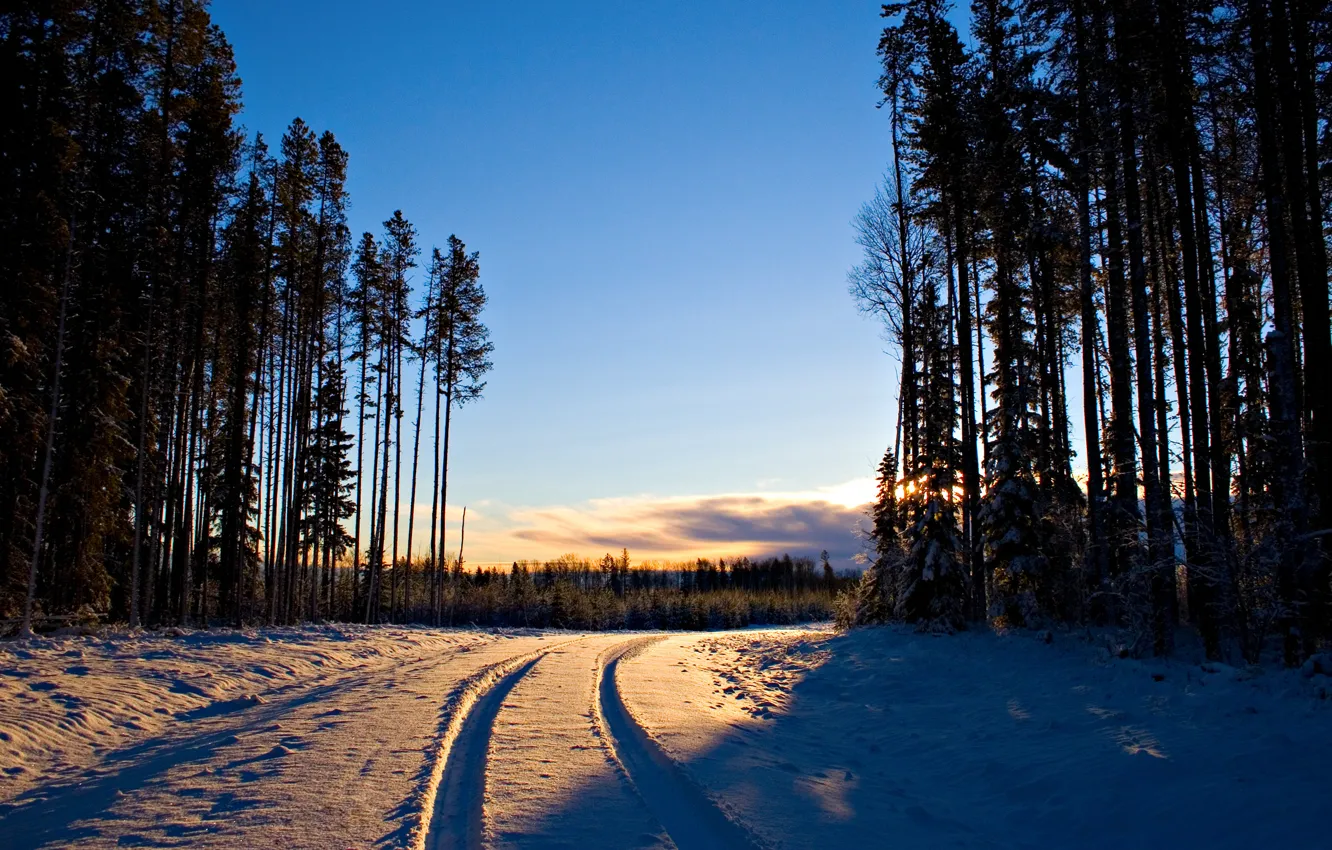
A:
x,y
66,701
978,740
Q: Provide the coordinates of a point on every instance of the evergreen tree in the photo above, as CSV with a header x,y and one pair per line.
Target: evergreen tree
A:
x,y
462,346
397,258
1155,208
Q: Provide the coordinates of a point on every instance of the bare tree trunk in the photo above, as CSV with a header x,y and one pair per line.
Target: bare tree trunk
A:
x,y
48,455
980,363
187,518
360,481
1295,85
1091,422
1288,478
390,401
370,576
1124,517
259,387
444,473
397,480
1178,104
970,462
142,461
1161,579
435,551
906,297
411,507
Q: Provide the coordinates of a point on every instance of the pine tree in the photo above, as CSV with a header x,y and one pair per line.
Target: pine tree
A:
x,y
1134,197
397,258
365,312
172,348
462,346
244,260
331,476
931,586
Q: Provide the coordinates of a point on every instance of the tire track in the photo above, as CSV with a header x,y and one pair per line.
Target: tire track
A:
x,y
550,781
691,817
454,794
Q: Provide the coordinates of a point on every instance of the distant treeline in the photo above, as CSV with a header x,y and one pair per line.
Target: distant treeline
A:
x,y
576,593
573,592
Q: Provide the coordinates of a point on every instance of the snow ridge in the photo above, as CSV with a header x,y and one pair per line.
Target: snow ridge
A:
x,y
426,826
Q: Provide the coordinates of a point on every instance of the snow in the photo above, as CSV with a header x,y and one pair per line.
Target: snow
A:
x,y
295,735
547,765
980,740
800,737
65,701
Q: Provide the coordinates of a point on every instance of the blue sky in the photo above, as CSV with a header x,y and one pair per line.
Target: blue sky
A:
x,y
661,194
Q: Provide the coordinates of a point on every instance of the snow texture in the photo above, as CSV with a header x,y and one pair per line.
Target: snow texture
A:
x,y
777,738
979,740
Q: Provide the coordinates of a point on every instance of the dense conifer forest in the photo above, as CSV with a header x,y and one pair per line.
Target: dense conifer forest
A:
x,y
187,328
1106,217
1100,217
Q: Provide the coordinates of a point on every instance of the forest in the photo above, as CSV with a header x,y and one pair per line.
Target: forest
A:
x,y
187,329
1099,253
1070,426
570,592
1106,218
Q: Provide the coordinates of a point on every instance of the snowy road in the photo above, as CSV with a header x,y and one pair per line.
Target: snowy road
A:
x,y
534,763
478,740
549,757
778,738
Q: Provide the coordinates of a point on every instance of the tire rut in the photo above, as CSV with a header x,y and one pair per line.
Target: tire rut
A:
x,y
690,816
453,801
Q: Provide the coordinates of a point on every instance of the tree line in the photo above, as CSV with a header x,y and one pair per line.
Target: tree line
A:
x,y
203,380
578,593
1106,216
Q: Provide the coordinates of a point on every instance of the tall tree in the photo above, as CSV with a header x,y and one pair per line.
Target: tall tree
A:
x,y
463,345
397,258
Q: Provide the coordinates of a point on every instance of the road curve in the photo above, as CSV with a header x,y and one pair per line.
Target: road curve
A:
x,y
459,803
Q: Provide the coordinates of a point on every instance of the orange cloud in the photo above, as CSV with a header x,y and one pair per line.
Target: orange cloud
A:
x,y
681,527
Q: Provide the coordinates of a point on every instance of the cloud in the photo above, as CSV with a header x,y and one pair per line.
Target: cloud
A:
x,y
681,527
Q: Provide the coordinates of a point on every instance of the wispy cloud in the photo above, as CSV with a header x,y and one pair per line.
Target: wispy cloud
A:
x,y
676,527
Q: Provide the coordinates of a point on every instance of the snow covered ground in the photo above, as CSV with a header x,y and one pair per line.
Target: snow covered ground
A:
x,y
405,737
886,737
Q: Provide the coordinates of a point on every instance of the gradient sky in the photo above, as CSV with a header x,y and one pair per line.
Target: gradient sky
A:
x,y
661,193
